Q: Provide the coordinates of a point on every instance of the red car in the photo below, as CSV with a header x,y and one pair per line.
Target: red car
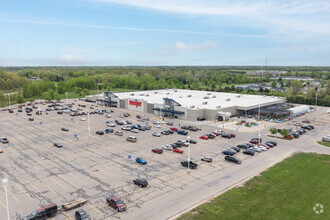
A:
x,y
175,129
215,133
264,145
254,141
204,137
138,116
157,151
232,135
178,151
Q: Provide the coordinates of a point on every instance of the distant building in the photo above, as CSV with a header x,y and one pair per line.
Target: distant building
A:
x,y
34,78
293,78
261,72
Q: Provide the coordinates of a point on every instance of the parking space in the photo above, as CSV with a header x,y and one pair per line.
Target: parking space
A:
x,y
96,166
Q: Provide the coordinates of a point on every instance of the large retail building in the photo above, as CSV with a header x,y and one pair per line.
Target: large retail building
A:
x,y
188,104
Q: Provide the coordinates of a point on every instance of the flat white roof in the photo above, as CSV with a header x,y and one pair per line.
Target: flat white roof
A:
x,y
189,98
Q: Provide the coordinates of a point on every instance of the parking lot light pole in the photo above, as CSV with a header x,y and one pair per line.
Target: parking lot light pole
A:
x,y
9,99
188,159
89,126
66,100
5,184
259,124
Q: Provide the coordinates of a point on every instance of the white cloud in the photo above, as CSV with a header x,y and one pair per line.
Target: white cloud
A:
x,y
296,47
182,47
276,16
70,60
78,50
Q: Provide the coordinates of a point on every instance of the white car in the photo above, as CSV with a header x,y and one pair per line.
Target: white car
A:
x,y
262,148
167,147
126,128
83,119
121,116
258,149
326,138
157,126
111,124
107,115
156,134
219,131
298,123
328,112
135,130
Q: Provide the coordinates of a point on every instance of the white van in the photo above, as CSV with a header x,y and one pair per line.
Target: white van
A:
x,y
131,139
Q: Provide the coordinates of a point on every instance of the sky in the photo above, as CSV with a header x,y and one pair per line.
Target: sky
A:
x,y
164,32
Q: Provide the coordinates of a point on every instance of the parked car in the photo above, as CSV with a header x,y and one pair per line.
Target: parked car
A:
x,y
57,144
43,213
185,127
140,160
108,130
83,119
167,147
135,131
99,132
289,137
4,140
211,136
307,127
64,129
140,182
254,141
193,129
229,152
178,151
228,136
119,133
233,159
272,142
174,129
81,215
192,141
219,131
311,126
182,132
157,126
192,165
269,144
204,137
165,132
294,134
306,121
131,139
232,135
157,150
169,123
116,203
237,149
256,149
249,152
156,134
207,159
31,119
243,146
326,138
170,131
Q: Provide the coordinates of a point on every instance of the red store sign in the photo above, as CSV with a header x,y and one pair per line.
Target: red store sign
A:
x,y
135,103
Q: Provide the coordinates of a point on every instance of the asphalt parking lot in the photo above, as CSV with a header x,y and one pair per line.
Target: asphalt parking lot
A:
x,y
94,167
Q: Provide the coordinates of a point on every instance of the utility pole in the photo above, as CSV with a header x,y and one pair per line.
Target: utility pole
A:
x,y
259,124
66,100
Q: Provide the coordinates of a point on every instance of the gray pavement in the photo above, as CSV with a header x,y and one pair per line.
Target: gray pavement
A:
x,y
93,167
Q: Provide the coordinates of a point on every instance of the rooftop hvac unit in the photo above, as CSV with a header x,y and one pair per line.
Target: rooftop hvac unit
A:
x,y
167,93
238,96
206,97
204,103
180,96
214,96
155,92
208,93
219,106
188,95
175,90
228,99
192,106
132,94
147,94
141,94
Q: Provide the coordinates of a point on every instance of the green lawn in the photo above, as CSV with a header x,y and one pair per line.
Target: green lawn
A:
x,y
327,144
288,190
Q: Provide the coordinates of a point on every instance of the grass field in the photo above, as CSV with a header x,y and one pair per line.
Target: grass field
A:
x,y
327,144
288,190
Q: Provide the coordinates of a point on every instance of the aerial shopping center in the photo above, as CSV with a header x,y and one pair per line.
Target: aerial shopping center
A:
x,y
188,104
